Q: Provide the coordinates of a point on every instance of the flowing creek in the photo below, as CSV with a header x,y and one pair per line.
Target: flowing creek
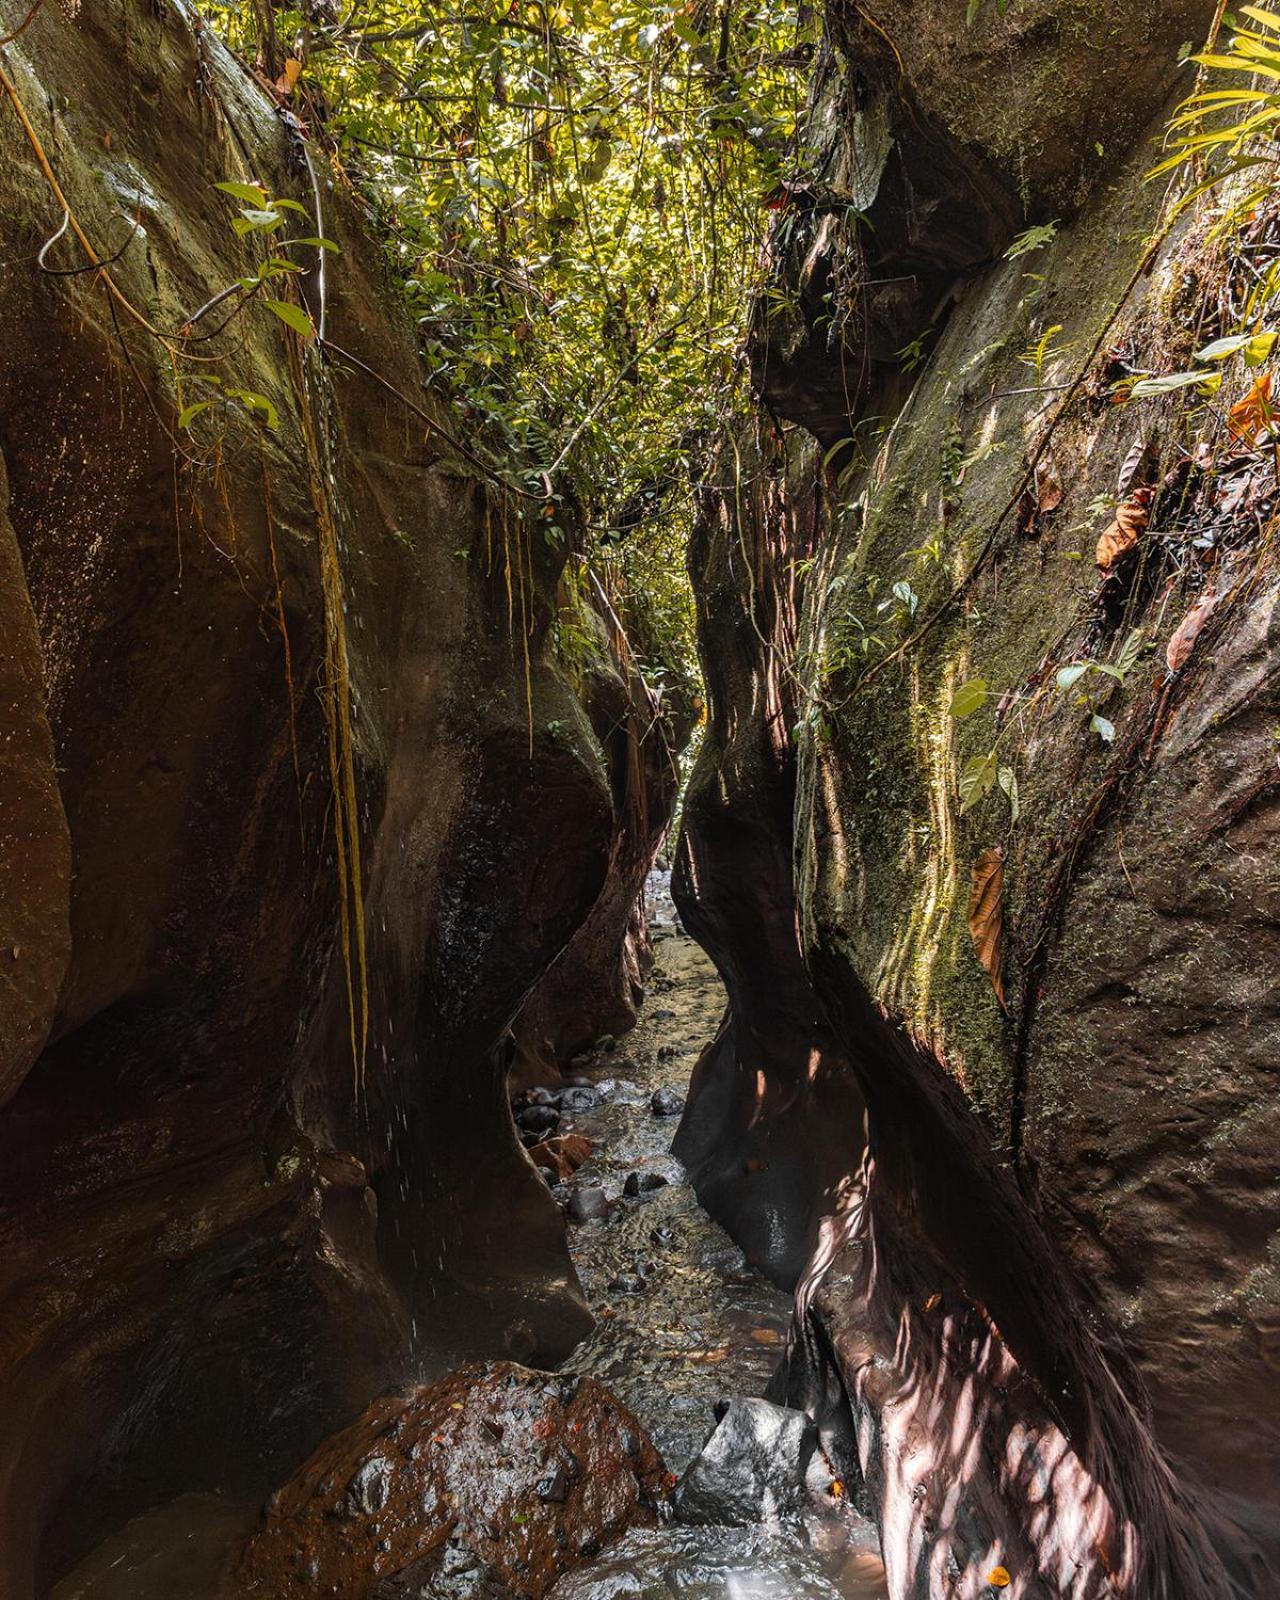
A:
x,y
705,1326
683,1323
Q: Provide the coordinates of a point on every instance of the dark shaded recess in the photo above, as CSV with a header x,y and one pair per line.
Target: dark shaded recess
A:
x,y
864,281
773,1073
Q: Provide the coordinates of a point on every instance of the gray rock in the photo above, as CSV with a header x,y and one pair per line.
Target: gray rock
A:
x,y
751,1469
639,1183
627,1283
666,1102
538,1119
590,1204
578,1099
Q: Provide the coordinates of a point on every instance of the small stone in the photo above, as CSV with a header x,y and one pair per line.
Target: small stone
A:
x,y
666,1103
539,1096
590,1204
578,1099
662,1235
639,1183
664,1014
554,1490
627,1283
549,1177
538,1119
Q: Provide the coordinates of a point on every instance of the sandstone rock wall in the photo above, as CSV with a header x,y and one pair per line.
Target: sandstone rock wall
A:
x,y
226,1223
1053,1307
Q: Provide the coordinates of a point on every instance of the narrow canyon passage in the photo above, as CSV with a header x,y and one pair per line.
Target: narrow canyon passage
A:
x,y
639,800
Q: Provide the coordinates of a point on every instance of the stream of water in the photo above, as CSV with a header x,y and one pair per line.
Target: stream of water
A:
x,y
682,1322
704,1326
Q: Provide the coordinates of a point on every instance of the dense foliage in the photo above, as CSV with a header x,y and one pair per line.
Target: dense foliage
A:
x,y
575,197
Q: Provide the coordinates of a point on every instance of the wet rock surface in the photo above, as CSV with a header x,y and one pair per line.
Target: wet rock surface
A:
x,y
752,1468
685,1323
493,1477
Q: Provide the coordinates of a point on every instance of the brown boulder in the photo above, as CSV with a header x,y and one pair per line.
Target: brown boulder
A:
x,y
530,1472
564,1153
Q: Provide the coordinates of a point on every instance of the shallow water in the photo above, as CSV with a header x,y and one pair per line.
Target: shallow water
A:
x,y
705,1326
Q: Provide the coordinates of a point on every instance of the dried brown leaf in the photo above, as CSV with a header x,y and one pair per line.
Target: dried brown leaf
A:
x,y
1123,533
986,915
1129,471
1048,485
1188,631
1249,418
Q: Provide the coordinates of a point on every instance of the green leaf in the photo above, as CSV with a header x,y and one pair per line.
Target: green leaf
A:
x,y
1220,349
291,205
251,400
316,242
1009,783
1104,729
248,192
293,316
1147,388
1259,349
977,779
262,219
1068,677
188,414
968,698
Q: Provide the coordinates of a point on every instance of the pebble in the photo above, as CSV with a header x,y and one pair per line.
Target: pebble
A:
x,y
590,1204
578,1099
627,1283
639,1183
666,1102
538,1119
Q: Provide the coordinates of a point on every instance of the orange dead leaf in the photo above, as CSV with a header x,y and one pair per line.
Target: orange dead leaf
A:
x,y
1188,630
1124,531
986,914
837,1489
1250,417
289,77
765,1336
932,1301
999,1578
1048,485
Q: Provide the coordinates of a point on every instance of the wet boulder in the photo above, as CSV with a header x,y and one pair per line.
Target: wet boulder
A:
x,y
493,1475
752,1467
666,1102
589,1204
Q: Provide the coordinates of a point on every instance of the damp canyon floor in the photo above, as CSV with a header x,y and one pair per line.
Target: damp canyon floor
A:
x,y
704,1326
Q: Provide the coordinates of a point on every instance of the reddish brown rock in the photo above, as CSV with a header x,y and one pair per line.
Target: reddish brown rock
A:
x,y
530,1472
564,1153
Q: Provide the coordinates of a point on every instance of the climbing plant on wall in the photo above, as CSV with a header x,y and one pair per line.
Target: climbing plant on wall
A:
x,y
575,197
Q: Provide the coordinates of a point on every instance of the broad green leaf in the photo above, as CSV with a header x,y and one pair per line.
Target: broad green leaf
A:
x,y
1068,677
279,204
250,193
1220,349
1105,730
977,778
188,414
968,698
316,242
294,316
1009,783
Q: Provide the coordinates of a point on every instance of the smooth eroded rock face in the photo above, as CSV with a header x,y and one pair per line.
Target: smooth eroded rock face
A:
x,y
494,1473
1047,1290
